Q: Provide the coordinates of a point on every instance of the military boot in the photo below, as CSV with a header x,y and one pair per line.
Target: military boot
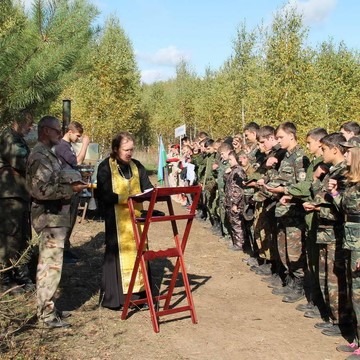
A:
x,y
275,282
297,292
216,228
309,306
286,288
22,277
7,284
264,269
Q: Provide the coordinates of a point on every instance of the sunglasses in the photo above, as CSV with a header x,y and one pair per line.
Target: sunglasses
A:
x,y
57,130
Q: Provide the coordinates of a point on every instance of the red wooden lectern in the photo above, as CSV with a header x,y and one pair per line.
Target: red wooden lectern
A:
x,y
154,196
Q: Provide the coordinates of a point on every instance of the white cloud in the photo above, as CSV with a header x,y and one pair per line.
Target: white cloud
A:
x,y
151,76
314,11
169,56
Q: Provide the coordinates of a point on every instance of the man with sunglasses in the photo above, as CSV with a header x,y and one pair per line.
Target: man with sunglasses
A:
x,y
51,189
69,161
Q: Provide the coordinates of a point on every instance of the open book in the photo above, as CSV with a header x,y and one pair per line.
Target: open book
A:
x,y
144,192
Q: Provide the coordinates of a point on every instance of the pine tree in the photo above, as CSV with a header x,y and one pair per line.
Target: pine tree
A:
x,y
107,99
40,53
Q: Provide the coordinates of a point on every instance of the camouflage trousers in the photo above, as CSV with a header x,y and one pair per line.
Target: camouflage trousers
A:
x,y
51,249
249,239
291,245
236,227
355,288
224,221
333,277
211,205
15,228
265,231
311,281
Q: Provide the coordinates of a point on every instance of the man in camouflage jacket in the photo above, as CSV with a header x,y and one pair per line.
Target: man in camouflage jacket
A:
x,y
51,190
15,228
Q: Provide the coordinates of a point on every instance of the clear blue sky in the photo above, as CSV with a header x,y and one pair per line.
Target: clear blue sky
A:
x,y
201,31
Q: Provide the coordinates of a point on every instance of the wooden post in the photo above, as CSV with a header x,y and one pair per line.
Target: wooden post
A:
x,y
66,115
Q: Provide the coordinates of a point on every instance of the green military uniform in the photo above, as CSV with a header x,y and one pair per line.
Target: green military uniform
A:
x,y
210,187
51,194
199,160
302,190
255,157
15,229
350,204
290,217
223,166
332,257
234,196
264,219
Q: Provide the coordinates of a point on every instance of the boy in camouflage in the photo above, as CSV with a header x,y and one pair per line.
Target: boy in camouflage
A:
x,y
199,159
234,202
209,184
224,151
302,191
254,157
349,203
265,222
330,232
290,216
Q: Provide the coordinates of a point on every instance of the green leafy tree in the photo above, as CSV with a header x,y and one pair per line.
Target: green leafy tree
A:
x,y
106,100
40,52
337,84
288,63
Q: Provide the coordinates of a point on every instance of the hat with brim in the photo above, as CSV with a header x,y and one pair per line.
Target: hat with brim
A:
x,y
351,143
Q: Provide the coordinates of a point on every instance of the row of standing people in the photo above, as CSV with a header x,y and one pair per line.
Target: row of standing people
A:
x,y
41,193
297,219
38,190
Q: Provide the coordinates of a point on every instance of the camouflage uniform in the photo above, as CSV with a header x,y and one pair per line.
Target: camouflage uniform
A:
x,y
333,259
199,161
350,204
210,187
234,195
51,194
290,217
255,158
264,221
223,166
15,229
302,190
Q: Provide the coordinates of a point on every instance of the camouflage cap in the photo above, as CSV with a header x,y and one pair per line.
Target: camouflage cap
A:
x,y
352,142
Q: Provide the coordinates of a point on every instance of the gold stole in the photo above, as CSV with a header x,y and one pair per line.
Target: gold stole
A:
x,y
125,233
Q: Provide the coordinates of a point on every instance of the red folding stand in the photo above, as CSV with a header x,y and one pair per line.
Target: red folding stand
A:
x,y
155,196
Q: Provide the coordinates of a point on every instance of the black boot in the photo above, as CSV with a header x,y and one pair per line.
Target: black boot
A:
x,y
286,288
22,277
7,283
297,292
216,228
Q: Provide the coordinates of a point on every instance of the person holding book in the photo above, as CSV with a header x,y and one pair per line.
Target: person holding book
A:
x,y
120,176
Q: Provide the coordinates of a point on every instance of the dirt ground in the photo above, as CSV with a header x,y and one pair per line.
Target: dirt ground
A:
x,y
238,317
